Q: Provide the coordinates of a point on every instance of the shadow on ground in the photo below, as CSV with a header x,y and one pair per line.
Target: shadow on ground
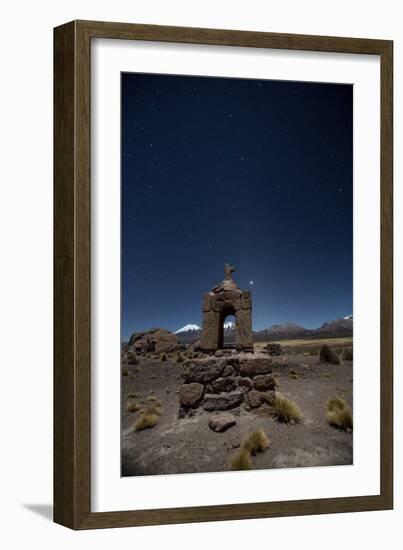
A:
x,y
44,510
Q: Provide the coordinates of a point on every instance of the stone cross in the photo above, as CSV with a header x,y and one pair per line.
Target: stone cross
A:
x,y
229,269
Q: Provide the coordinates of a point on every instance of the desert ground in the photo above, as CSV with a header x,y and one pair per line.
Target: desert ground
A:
x,y
184,445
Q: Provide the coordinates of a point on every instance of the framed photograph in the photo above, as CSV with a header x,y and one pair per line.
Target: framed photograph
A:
x,y
222,275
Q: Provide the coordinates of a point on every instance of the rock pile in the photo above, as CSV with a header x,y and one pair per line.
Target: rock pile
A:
x,y
156,340
219,384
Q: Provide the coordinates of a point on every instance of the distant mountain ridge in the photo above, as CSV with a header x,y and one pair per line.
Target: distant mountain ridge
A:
x,y
190,333
330,329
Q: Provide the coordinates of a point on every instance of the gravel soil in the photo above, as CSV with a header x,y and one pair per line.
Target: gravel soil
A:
x,y
187,445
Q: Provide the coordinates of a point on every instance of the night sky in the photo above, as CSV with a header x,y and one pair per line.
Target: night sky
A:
x,y
255,173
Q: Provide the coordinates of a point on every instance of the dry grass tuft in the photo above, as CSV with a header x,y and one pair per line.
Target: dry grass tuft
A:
x,y
347,354
256,442
335,403
327,355
286,410
132,406
146,420
154,406
155,409
338,414
132,395
241,461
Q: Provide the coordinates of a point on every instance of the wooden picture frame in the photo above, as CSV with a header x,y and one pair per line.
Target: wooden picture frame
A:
x,y
72,269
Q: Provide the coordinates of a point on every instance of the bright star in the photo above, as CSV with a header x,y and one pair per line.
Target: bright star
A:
x,y
251,283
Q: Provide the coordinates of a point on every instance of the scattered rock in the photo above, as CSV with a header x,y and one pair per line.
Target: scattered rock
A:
x,y
221,422
222,401
190,395
182,413
235,443
219,353
258,398
264,382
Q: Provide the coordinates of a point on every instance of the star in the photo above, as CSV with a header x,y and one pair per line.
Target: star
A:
x,y
251,283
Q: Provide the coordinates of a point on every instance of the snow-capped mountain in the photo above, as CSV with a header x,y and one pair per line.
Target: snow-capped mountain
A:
x,y
188,328
190,333
229,325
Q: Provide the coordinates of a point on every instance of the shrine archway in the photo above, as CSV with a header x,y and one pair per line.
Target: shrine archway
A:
x,y
227,299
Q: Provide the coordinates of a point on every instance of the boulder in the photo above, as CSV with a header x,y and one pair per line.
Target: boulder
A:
x,y
228,371
258,398
264,382
244,382
222,401
223,385
156,340
203,372
233,362
221,422
255,366
190,395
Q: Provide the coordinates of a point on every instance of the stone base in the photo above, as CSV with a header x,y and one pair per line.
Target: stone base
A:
x,y
223,383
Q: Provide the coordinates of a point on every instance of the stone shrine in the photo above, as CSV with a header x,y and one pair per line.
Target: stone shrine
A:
x,y
223,300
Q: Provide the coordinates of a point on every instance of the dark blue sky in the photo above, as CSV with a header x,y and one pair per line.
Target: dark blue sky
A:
x,y
251,172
